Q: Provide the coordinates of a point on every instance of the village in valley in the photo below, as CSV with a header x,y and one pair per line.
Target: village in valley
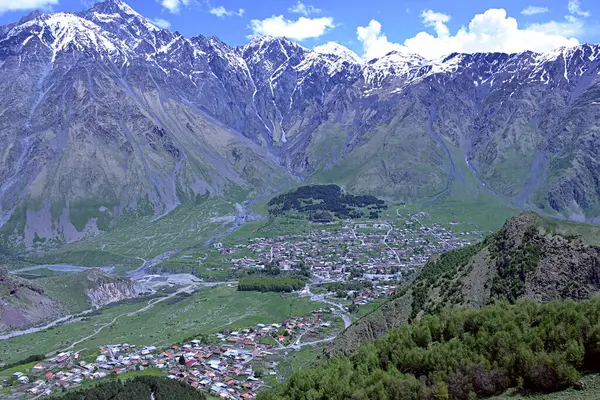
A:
x,y
381,251
344,269
229,364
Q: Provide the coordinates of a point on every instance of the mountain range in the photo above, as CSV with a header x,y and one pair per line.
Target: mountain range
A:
x,y
104,115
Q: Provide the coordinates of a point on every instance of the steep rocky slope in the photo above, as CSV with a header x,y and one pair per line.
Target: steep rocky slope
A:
x,y
125,118
25,302
102,289
90,288
529,258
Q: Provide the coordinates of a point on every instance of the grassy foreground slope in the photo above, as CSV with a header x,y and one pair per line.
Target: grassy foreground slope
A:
x,y
591,383
463,354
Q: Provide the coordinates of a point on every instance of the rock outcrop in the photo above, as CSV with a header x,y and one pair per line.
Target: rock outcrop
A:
x,y
25,303
103,289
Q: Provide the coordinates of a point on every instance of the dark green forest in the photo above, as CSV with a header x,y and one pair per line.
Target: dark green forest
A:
x,y
270,284
346,286
320,200
140,388
462,354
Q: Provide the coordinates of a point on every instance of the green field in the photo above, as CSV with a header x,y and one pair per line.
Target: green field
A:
x,y
68,289
207,311
206,263
134,239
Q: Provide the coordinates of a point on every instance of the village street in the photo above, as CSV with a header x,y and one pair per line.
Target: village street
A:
x,y
320,298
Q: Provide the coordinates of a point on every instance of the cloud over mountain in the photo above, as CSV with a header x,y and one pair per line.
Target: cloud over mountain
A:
x,y
492,31
300,29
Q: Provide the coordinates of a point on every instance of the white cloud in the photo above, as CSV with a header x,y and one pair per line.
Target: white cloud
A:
x,y
575,9
570,27
301,29
533,10
375,43
492,31
437,21
223,12
161,23
304,9
174,6
16,5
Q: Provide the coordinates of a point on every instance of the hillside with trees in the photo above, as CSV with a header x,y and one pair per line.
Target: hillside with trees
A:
x,y
323,202
140,388
529,258
462,354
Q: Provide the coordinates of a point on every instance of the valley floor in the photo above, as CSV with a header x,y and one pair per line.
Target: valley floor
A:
x,y
206,311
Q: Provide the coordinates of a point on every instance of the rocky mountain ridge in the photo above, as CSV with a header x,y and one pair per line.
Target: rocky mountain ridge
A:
x,y
529,258
126,118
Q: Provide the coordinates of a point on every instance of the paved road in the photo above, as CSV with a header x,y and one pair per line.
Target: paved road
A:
x,y
388,246
296,345
362,242
342,310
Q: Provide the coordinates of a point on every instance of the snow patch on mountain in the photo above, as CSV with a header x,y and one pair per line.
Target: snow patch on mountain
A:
x,y
340,52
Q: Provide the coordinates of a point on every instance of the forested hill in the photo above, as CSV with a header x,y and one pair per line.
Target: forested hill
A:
x,y
321,201
530,257
463,354
140,388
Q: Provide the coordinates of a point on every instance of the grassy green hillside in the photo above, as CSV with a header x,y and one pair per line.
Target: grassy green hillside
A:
x,y
591,391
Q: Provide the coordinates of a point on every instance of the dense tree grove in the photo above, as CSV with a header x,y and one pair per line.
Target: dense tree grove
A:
x,y
140,388
319,200
346,286
270,284
463,354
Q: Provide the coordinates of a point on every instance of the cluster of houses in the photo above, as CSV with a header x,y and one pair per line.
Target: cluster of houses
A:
x,y
368,295
383,251
229,365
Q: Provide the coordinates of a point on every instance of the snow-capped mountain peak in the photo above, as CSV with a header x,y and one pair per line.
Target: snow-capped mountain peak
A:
x,y
398,59
342,52
151,111
115,11
65,32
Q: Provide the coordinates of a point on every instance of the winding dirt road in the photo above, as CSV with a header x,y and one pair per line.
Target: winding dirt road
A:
x,y
150,304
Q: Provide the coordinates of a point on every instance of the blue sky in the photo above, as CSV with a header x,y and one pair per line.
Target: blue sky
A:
x,y
370,28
